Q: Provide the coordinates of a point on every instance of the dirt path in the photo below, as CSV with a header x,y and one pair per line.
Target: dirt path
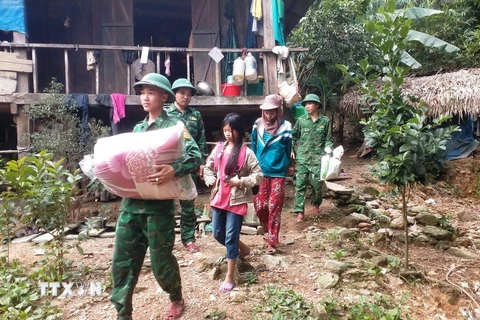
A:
x,y
306,257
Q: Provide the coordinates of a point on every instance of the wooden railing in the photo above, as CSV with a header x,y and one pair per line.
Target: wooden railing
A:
x,y
157,51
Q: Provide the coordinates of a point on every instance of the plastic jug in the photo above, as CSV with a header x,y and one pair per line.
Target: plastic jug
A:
x,y
250,67
238,71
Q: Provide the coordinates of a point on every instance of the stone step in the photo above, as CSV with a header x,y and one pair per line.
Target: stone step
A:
x,y
337,188
26,238
93,232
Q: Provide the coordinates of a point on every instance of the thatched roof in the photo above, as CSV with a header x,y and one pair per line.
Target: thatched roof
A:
x,y
453,93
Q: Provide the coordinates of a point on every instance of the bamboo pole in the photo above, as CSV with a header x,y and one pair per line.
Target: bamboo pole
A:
x,y
97,79
67,71
129,79
218,76
133,48
188,67
35,70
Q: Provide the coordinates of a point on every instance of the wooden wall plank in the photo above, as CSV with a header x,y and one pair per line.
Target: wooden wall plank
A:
x,y
9,56
15,67
114,26
206,34
134,100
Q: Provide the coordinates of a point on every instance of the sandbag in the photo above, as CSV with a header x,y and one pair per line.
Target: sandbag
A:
x,y
123,162
331,164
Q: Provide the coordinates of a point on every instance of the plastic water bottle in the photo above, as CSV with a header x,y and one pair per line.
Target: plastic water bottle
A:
x,y
238,71
250,67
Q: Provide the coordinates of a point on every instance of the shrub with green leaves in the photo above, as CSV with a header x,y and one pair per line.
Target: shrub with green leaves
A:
x,y
216,314
379,309
410,146
59,129
41,189
282,304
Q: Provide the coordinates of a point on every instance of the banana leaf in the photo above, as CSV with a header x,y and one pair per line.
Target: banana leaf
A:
x,y
417,13
410,61
431,41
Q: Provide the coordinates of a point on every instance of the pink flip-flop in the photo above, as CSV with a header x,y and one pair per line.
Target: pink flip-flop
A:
x,y
271,250
226,287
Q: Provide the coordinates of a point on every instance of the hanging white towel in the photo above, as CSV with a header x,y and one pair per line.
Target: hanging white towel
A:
x,y
167,65
91,60
282,54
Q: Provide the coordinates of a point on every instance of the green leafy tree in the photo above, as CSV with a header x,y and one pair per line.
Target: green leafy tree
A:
x,y
457,25
407,144
41,189
333,31
59,129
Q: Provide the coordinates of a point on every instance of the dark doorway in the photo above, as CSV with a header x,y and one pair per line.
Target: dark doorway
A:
x,y
164,23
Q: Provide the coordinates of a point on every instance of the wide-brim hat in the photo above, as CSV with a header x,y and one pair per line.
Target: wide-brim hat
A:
x,y
156,80
183,83
272,101
311,98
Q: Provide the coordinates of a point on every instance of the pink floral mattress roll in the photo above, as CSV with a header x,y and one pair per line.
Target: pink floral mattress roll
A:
x,y
123,162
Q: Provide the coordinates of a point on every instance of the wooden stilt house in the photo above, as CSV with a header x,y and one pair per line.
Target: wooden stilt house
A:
x,y
58,36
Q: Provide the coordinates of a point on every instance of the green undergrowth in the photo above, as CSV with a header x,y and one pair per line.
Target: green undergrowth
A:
x,y
282,304
20,297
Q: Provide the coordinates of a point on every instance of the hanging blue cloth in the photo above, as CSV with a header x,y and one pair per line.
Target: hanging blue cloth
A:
x,y
462,143
250,39
79,102
278,12
231,39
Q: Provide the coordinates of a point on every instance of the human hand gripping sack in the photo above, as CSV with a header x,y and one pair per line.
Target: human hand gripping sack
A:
x,y
165,173
209,181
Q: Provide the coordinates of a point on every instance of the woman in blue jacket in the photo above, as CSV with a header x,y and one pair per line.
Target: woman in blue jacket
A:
x,y
272,144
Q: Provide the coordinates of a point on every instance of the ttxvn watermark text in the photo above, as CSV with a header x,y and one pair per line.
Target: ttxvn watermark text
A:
x,y
70,289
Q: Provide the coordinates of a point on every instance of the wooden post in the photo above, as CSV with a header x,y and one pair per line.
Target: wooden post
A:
x,y
129,79
35,70
97,78
218,77
22,78
21,118
23,130
269,58
188,66
67,71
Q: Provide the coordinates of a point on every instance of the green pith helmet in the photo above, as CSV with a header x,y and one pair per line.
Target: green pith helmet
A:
x,y
183,83
311,98
156,80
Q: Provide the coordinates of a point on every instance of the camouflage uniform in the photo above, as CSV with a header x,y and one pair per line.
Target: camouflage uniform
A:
x,y
310,139
149,223
194,123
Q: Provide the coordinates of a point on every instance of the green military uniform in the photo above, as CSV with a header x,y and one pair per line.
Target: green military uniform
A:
x,y
310,139
149,223
194,123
